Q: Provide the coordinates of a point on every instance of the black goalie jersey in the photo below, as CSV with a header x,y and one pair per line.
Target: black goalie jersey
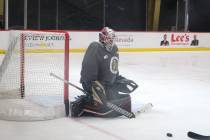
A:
x,y
100,64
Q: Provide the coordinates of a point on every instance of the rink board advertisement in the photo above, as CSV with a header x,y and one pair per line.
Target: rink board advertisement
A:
x,y
126,41
44,41
145,39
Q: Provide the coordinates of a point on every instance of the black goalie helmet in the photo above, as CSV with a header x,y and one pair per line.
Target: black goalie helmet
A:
x,y
107,37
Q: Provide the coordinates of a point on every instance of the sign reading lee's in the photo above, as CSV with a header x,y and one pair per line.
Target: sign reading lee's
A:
x,y
180,39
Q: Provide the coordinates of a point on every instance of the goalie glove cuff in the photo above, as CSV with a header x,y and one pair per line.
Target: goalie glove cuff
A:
x,y
126,85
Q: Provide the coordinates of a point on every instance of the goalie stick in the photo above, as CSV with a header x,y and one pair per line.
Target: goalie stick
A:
x,y
197,136
108,104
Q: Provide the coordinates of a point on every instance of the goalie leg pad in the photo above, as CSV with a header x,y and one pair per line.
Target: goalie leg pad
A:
x,y
103,111
124,103
77,106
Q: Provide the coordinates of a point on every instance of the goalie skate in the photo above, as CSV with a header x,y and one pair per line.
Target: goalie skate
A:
x,y
145,108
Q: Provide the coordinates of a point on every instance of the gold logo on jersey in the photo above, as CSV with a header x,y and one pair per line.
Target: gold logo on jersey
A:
x,y
114,65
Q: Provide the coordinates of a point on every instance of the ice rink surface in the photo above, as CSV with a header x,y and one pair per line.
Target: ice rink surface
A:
x,y
177,83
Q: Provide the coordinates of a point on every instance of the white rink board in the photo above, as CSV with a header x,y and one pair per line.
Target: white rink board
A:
x,y
81,40
142,39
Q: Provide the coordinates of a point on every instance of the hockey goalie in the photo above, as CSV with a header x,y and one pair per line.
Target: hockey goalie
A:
x,y
102,82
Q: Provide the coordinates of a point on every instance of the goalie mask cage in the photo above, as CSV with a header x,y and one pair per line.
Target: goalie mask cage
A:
x,y
27,91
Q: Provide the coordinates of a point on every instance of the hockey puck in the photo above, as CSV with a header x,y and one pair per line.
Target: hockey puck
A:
x,y
169,135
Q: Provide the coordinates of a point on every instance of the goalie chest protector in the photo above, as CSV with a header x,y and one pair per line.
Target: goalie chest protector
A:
x,y
100,64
